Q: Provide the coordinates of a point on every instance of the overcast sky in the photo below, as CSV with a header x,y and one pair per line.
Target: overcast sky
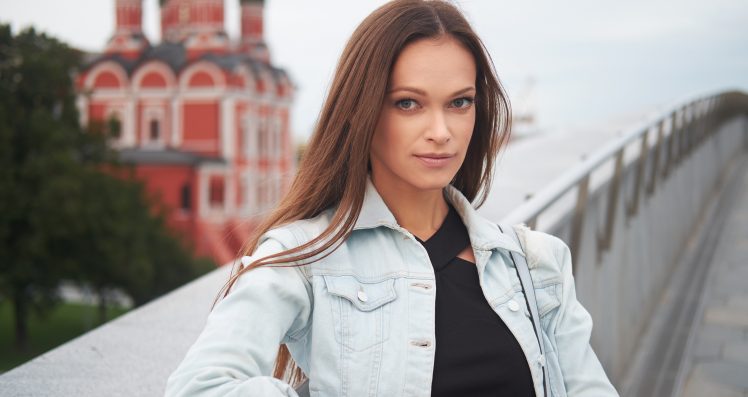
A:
x,y
589,60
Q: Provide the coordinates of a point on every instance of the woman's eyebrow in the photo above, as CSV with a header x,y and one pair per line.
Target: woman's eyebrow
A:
x,y
422,92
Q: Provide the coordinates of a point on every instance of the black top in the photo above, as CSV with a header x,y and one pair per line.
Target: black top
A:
x,y
476,354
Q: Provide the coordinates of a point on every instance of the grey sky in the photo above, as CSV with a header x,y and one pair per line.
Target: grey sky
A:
x,y
590,60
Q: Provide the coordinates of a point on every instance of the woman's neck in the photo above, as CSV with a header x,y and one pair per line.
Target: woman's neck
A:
x,y
421,212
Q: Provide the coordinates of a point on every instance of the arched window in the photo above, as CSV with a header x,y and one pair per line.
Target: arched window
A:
x,y
107,80
277,142
186,198
152,125
250,187
155,130
184,13
114,127
262,138
249,136
215,193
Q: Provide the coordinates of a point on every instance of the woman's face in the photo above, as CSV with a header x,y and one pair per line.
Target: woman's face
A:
x,y
427,117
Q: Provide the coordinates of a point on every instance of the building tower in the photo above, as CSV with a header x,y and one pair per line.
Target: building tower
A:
x,y
204,122
252,37
128,39
197,23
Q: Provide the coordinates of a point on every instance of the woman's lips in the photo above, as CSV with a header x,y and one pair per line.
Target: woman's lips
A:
x,y
435,160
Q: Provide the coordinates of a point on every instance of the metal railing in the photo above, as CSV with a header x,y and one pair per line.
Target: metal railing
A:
x,y
627,211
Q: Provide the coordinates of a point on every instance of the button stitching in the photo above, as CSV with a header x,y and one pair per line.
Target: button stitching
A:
x,y
421,343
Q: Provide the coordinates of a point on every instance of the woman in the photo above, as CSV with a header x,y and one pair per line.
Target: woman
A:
x,y
375,274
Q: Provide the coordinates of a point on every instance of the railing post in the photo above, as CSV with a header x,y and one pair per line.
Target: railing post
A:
x,y
745,131
578,221
633,207
604,242
669,150
656,161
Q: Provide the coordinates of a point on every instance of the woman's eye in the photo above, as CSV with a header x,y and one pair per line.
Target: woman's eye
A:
x,y
462,103
406,104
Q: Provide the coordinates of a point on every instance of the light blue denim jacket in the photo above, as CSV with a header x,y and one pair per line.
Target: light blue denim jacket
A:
x,y
360,322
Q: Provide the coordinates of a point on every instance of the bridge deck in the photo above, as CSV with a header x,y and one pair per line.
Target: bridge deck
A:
x,y
716,358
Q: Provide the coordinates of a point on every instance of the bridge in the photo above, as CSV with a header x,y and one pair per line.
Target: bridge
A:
x,y
655,211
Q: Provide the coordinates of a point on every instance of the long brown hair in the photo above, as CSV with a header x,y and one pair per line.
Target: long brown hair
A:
x,y
333,171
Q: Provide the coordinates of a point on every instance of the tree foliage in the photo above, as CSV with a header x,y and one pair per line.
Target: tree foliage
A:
x,y
61,216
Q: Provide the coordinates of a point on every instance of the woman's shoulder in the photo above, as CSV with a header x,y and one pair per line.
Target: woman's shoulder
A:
x,y
299,232
289,236
545,253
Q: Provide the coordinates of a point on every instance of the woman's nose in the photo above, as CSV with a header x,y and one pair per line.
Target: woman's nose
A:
x,y
438,130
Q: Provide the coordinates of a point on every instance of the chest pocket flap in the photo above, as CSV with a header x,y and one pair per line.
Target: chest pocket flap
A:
x,y
365,296
547,298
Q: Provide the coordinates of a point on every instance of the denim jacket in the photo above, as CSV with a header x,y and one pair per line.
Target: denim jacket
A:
x,y
360,322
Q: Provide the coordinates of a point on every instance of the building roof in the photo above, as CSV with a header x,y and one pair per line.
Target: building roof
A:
x,y
165,157
174,54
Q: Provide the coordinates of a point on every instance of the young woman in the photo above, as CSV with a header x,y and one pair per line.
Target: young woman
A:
x,y
375,275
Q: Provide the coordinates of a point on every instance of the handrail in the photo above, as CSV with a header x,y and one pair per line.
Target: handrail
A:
x,y
626,232
695,108
535,205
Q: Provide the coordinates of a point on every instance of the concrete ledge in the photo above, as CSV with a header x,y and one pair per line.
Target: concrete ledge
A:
x,y
132,355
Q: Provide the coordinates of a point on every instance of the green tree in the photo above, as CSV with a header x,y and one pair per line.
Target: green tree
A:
x,y
126,229
61,216
38,127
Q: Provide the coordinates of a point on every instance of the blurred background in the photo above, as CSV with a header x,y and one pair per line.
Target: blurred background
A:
x,y
142,140
575,62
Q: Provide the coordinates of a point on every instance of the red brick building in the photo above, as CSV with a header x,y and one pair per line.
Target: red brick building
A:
x,y
204,120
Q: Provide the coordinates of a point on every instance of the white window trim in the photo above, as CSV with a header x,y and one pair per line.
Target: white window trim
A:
x,y
262,137
204,208
219,81
247,205
249,136
151,113
227,128
159,68
114,68
277,141
119,112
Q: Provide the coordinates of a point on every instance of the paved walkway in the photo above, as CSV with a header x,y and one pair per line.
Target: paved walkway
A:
x,y
716,363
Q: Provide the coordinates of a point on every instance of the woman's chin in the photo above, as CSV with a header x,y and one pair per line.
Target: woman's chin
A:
x,y
432,182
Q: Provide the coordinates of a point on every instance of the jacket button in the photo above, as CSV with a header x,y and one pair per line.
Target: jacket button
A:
x,y
362,296
513,305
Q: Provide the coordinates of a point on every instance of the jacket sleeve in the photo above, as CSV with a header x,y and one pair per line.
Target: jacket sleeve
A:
x,y
235,353
583,374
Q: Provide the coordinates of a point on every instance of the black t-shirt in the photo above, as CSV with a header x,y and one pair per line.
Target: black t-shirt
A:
x,y
476,354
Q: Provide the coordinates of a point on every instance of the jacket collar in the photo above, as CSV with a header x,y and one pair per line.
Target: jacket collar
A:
x,y
484,234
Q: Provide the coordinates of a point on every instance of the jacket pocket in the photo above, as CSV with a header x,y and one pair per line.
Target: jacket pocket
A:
x,y
548,299
360,310
548,302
